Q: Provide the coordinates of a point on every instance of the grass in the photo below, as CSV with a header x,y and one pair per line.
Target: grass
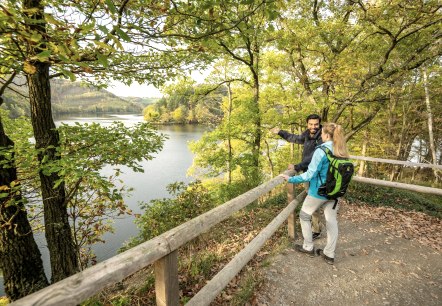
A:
x,y
249,282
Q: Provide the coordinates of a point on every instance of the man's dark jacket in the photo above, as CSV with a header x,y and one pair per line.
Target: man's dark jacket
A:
x,y
309,143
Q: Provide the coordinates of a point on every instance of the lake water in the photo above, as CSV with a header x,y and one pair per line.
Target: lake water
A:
x,y
170,165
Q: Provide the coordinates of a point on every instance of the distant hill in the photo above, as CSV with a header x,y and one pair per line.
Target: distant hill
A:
x,y
74,98
144,100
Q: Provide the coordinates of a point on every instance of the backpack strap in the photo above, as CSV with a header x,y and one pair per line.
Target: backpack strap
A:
x,y
336,203
326,150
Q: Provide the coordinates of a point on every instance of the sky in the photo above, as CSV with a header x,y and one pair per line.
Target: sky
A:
x,y
134,90
144,90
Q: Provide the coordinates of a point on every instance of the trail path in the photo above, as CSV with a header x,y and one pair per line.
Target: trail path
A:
x,y
372,267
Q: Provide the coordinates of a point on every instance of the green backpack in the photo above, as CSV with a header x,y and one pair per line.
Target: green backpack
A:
x,y
339,174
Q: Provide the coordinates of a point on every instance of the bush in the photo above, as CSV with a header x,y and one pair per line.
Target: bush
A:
x,y
162,215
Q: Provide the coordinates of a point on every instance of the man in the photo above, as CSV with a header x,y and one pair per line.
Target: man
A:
x,y
310,138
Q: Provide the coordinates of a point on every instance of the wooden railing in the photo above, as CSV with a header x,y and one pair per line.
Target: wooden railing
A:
x,y
161,251
417,188
396,162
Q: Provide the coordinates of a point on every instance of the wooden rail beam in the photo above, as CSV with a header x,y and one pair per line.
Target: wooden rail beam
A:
x,y
410,187
209,292
78,287
291,220
397,162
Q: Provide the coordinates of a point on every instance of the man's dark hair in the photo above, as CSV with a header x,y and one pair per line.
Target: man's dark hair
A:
x,y
313,116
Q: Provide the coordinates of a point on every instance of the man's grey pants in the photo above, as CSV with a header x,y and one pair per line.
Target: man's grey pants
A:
x,y
310,205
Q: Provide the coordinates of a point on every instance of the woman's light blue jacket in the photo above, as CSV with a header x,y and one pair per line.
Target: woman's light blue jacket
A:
x,y
319,164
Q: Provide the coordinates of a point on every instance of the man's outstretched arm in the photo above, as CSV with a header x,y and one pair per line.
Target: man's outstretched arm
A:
x,y
293,138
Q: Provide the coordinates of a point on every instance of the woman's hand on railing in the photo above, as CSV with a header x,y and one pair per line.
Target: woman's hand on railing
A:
x,y
284,176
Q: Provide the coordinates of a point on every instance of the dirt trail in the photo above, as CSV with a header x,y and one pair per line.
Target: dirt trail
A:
x,y
372,267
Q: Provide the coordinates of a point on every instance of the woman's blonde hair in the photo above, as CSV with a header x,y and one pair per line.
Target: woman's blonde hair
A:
x,y
337,134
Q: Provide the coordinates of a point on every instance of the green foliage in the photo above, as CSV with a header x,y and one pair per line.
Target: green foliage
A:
x,y
179,114
150,114
164,214
109,40
228,149
121,301
93,200
225,191
4,301
201,265
211,154
147,285
248,285
141,100
92,302
20,131
186,102
349,63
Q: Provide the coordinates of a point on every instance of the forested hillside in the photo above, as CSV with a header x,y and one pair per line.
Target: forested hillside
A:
x,y
141,100
71,97
187,102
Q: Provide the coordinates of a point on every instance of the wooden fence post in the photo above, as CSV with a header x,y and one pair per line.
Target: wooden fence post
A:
x,y
291,220
166,280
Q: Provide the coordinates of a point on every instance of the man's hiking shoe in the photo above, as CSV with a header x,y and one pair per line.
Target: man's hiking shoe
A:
x,y
316,236
301,249
327,259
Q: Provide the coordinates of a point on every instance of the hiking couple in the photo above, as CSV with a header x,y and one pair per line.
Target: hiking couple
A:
x,y
315,165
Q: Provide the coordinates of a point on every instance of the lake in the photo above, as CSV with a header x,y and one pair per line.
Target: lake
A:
x,y
170,165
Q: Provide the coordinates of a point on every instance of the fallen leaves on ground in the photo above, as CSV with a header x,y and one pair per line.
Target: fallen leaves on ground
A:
x,y
399,223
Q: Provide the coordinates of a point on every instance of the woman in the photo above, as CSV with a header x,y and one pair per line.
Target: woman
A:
x,y
332,138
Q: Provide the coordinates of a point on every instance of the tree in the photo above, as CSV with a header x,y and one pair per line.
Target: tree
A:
x,y
93,200
20,258
345,53
150,113
430,122
135,41
244,43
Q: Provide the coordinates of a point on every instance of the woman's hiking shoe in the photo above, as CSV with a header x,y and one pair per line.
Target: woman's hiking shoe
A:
x,y
327,259
301,249
316,236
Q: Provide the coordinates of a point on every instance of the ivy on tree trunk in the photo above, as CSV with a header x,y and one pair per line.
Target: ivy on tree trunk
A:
x,y
20,258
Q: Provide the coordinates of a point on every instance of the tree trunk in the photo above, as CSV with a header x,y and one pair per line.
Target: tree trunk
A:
x,y
256,151
57,229
272,167
399,151
430,123
362,163
20,258
229,136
